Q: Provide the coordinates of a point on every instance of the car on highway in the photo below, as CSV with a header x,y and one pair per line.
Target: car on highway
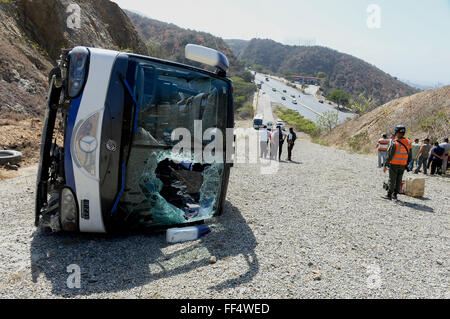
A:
x,y
321,101
294,101
283,98
118,112
284,91
280,123
267,79
274,89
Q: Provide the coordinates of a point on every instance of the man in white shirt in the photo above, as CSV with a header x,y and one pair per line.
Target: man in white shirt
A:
x,y
446,147
263,141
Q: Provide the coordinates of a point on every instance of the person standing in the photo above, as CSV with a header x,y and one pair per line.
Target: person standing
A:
x,y
399,156
437,155
282,137
414,151
446,147
274,144
263,141
383,146
292,137
422,157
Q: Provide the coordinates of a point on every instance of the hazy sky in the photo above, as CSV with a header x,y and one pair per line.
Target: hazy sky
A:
x,y
412,41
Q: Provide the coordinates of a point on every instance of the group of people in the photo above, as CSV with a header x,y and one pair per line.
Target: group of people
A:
x,y
423,155
272,142
400,154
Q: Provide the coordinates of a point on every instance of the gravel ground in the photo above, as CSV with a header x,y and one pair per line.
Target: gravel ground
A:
x,y
316,229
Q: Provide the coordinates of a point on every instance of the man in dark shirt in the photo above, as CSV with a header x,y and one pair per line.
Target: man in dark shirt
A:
x,y
292,137
437,155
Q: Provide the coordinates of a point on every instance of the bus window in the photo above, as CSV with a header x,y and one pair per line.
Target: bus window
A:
x,y
161,189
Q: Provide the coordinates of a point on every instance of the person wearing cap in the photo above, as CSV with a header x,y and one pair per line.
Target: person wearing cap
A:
x,y
399,157
383,146
422,157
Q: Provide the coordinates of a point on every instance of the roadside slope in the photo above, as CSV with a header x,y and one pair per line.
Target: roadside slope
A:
x,y
426,114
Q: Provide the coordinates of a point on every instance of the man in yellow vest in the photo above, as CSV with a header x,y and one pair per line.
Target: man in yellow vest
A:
x,y
399,157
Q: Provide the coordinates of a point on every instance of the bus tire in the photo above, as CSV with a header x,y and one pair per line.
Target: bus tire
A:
x,y
11,157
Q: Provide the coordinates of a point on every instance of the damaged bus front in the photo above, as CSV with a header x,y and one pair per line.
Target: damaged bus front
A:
x,y
113,124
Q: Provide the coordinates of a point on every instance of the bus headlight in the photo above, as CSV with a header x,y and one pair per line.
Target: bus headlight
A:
x,y
69,211
79,58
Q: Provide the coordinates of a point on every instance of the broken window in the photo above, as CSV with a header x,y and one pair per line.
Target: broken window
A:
x,y
163,188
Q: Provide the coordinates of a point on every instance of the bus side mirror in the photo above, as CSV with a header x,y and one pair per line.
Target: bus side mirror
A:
x,y
208,56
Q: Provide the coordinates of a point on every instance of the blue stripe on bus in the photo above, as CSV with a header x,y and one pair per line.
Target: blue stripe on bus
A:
x,y
122,190
135,103
68,163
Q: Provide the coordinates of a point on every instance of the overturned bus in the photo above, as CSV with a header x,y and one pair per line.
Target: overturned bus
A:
x,y
107,161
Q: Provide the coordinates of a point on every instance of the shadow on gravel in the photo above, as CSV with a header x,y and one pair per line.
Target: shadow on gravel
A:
x,y
115,264
422,208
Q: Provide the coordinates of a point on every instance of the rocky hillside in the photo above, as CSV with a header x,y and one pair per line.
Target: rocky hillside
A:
x,y
31,36
166,40
426,114
343,71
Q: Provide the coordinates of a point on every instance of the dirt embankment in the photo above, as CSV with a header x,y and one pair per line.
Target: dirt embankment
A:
x,y
426,114
32,34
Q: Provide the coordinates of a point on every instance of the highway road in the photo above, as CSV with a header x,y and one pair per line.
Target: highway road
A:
x,y
308,105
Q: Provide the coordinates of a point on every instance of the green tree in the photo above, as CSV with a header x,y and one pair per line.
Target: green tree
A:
x,y
363,104
322,75
154,49
328,121
243,92
340,97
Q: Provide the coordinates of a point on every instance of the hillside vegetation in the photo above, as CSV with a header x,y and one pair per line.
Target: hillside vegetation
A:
x,y
426,114
339,70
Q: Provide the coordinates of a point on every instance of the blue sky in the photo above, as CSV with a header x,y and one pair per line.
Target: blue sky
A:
x,y
412,43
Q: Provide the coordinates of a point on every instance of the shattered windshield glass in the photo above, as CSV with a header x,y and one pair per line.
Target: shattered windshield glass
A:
x,y
164,187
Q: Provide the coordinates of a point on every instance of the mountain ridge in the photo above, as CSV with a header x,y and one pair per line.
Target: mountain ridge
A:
x,y
344,71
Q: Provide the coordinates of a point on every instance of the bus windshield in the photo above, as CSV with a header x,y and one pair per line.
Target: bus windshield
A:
x,y
164,187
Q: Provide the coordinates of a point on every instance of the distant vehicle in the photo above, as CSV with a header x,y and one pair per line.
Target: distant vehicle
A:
x,y
293,96
284,91
321,101
258,122
267,79
294,101
274,89
270,125
280,123
283,98
264,93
